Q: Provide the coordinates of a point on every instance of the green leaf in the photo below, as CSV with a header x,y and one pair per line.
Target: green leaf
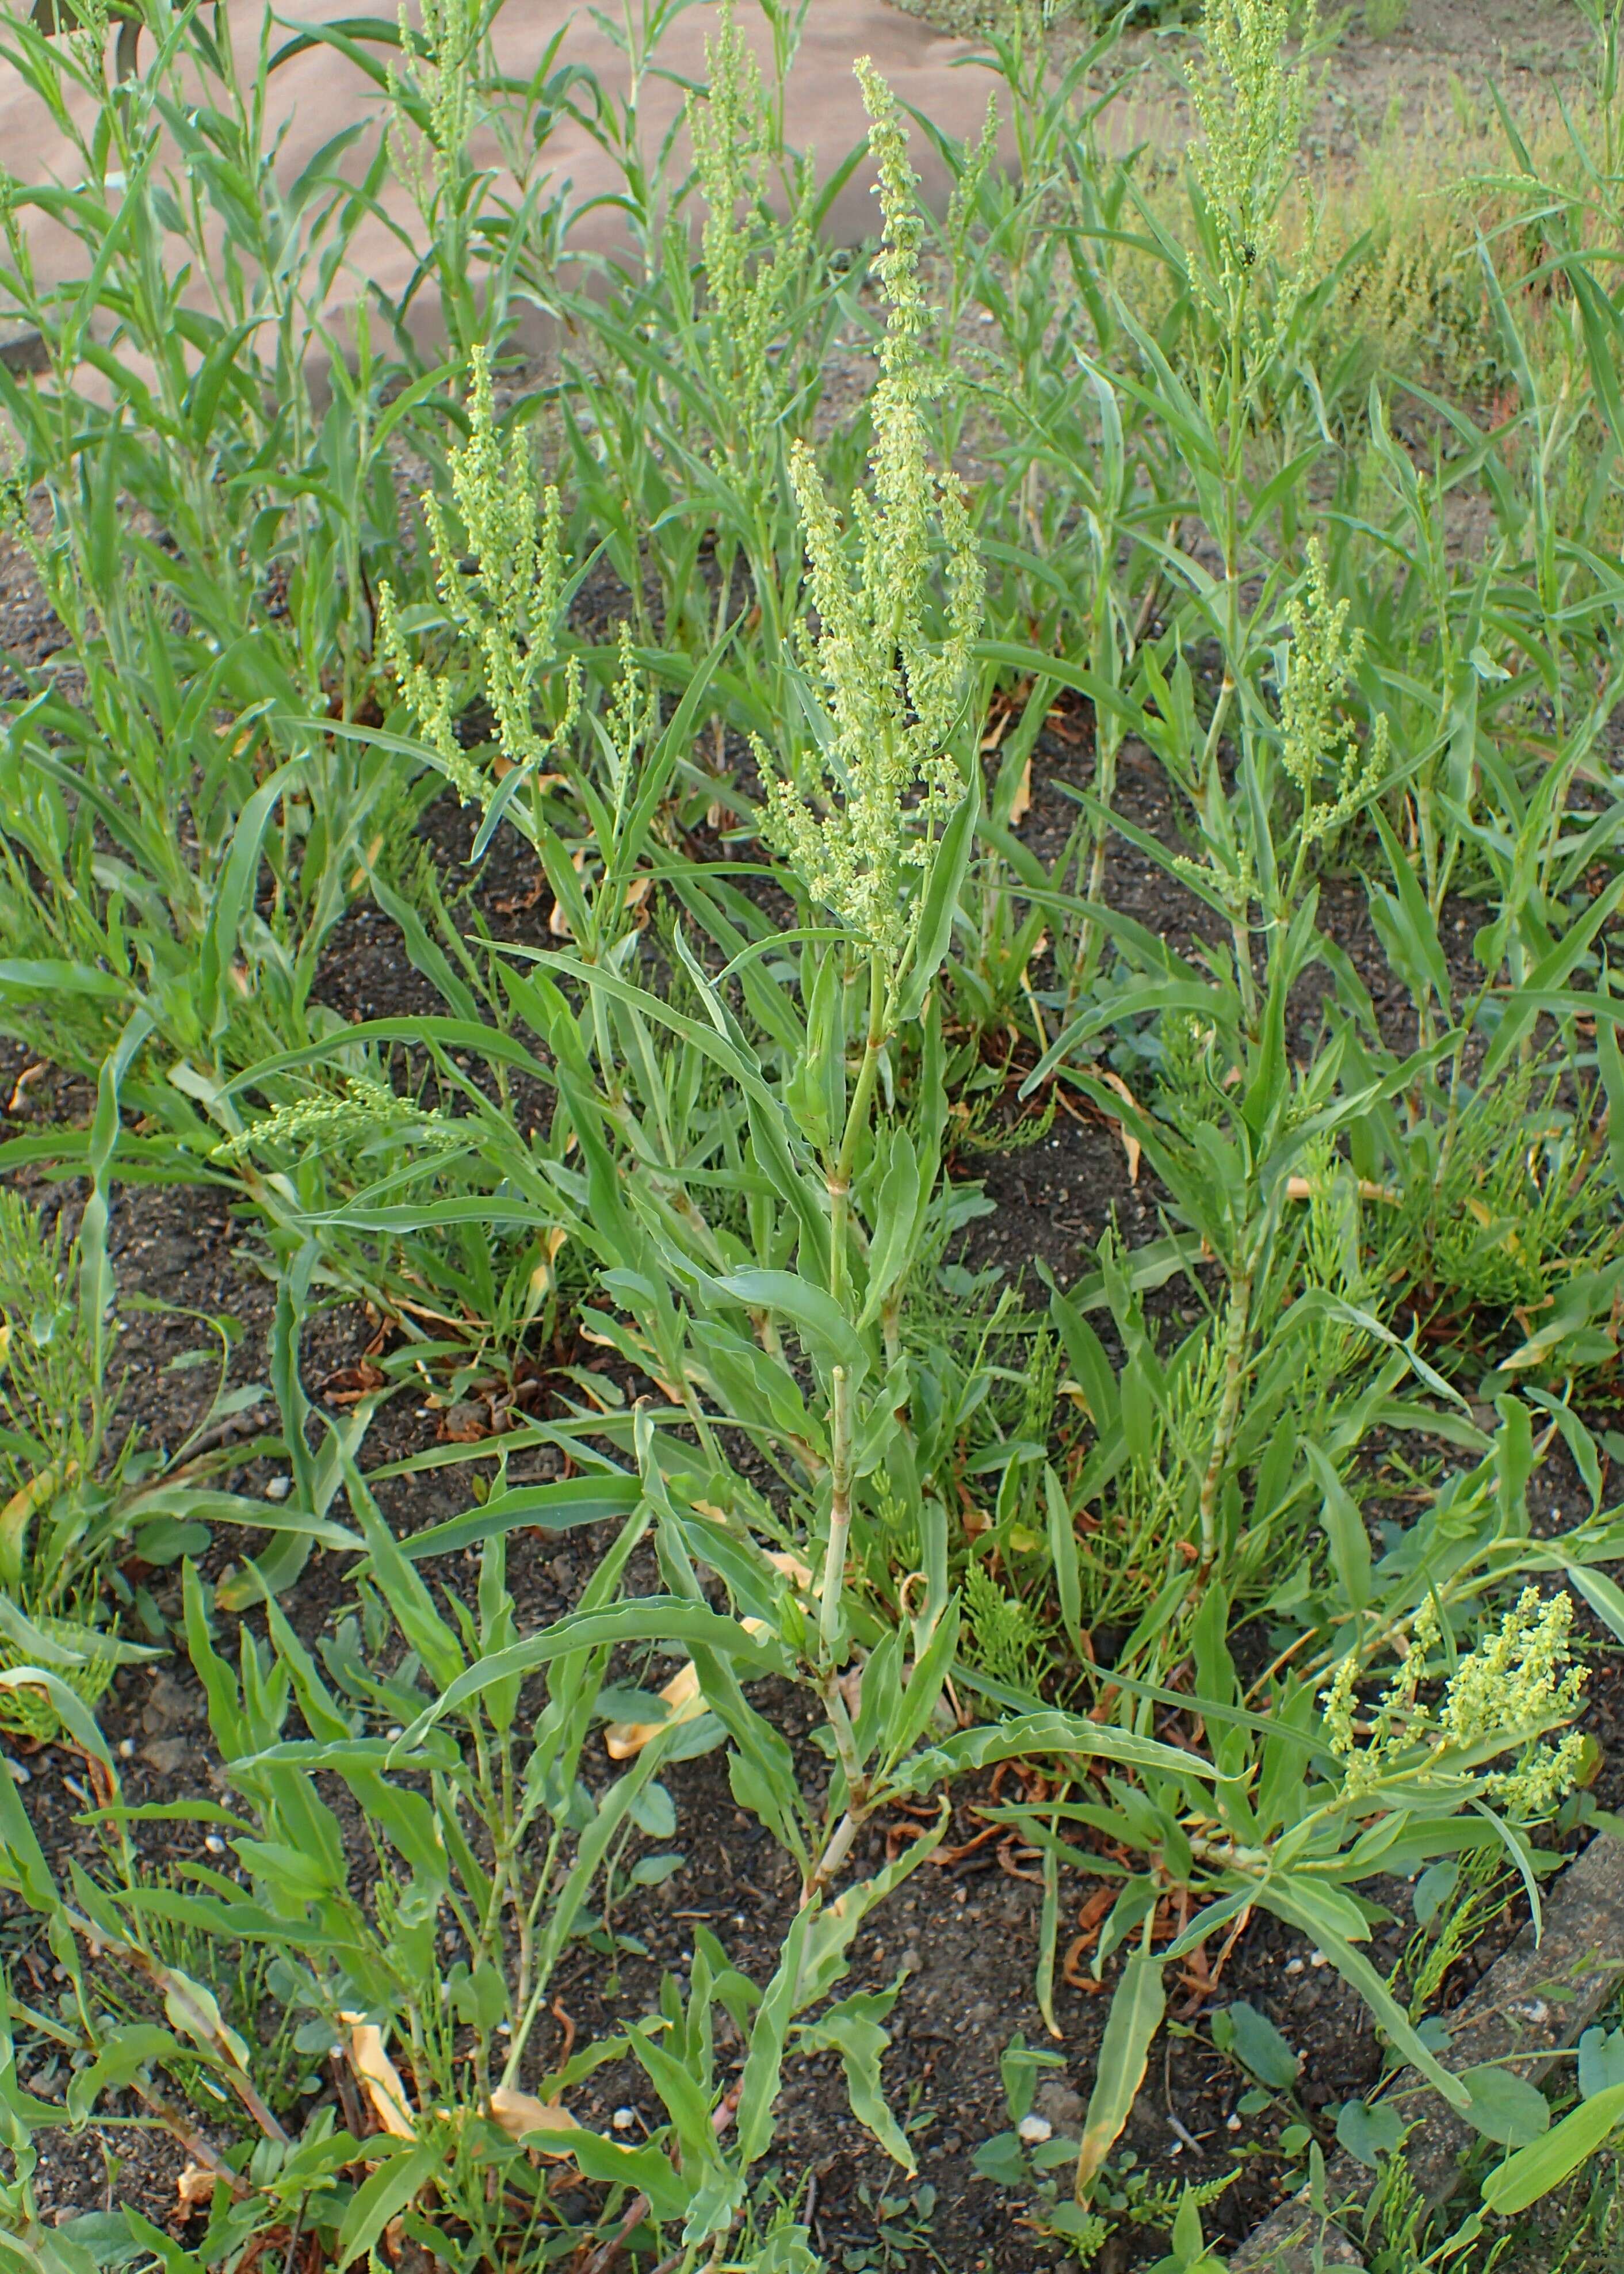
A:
x,y
1503,2106
73,1712
758,2087
1063,1555
1601,2062
234,893
1068,1734
1368,2134
1256,2042
852,2028
1433,1890
39,980
649,1618
1305,1906
891,1251
949,865
1089,1363
544,1508
193,2010
192,1506
640,2170
1406,923
153,2241
1522,2179
930,1671
385,2194
1136,2012
124,2054
1002,2160
816,1316
407,1596
686,2101
1604,1595
1343,1525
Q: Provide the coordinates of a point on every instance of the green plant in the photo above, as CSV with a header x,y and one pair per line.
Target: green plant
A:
x,y
51,1542
1302,487
81,1497
484,1858
1321,1821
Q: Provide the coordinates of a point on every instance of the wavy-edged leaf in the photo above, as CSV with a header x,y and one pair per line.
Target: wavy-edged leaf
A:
x,y
649,1618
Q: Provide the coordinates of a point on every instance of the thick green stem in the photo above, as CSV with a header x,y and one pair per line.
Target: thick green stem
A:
x,y
840,1512
839,1182
1228,1417
841,1842
867,1076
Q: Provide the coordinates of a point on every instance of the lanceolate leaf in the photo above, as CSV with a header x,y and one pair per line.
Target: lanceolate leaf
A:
x,y
1065,1734
1136,2012
650,1618
948,866
1304,1906
384,2195
76,1716
1533,2171
541,1508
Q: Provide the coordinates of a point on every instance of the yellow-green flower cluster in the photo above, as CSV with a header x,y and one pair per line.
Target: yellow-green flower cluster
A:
x,y
365,1108
1520,1678
1515,1686
444,47
860,823
504,592
1249,100
749,273
1319,665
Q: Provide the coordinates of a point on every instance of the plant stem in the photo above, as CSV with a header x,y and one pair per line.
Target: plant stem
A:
x,y
839,1510
1228,1417
840,1183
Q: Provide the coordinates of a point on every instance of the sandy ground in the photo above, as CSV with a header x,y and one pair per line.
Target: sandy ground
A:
x,y
321,92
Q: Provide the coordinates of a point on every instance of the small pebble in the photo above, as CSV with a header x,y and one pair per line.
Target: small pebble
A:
x,y
624,2119
214,1844
127,1748
279,1488
394,1731
1035,2128
19,1775
1231,2123
1318,1958
1294,1965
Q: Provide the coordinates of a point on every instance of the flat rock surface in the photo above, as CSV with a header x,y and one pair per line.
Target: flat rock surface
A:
x,y
1538,1996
